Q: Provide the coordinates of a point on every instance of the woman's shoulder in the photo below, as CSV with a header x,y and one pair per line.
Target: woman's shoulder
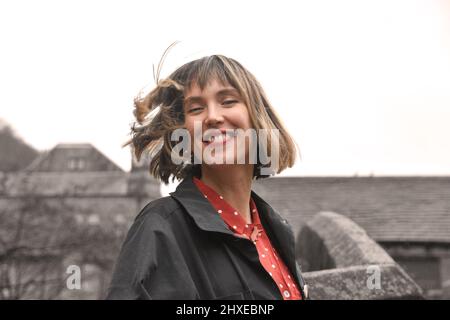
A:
x,y
153,219
158,209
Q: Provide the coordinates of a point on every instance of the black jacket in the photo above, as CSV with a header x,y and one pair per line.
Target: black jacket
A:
x,y
179,248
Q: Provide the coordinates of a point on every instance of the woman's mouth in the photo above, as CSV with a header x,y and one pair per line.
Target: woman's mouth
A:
x,y
219,138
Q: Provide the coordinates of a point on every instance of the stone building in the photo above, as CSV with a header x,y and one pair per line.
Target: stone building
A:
x,y
81,173
77,180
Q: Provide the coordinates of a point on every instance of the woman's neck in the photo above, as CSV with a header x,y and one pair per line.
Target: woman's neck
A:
x,y
233,183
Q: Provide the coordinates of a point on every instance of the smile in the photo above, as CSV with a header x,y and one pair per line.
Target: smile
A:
x,y
215,138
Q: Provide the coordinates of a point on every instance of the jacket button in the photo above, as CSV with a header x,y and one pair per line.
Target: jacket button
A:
x,y
286,294
306,291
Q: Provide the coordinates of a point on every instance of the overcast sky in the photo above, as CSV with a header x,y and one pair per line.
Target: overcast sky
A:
x,y
363,86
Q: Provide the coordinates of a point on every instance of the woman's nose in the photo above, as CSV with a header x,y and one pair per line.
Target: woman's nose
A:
x,y
213,117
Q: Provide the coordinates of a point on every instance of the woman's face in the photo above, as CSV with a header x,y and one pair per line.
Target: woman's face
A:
x,y
219,107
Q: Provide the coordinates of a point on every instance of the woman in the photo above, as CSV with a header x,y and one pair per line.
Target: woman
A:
x,y
213,238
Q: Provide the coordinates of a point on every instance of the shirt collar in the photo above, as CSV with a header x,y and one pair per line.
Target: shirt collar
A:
x,y
230,215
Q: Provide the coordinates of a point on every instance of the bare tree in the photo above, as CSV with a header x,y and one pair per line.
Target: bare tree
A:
x,y
19,154
34,238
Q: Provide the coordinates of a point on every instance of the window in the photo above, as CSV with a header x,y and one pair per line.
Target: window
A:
x,y
77,164
93,219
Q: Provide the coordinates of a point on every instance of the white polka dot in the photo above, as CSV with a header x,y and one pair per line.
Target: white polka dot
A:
x,y
273,266
221,197
254,210
281,286
246,225
293,285
289,276
266,249
235,213
263,255
205,196
289,285
270,273
220,211
286,294
234,227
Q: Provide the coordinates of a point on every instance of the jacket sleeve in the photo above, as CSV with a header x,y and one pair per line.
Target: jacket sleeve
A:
x,y
150,264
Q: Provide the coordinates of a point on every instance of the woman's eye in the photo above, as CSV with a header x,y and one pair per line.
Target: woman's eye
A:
x,y
229,102
195,109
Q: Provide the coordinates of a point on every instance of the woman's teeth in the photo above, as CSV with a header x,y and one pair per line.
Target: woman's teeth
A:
x,y
218,138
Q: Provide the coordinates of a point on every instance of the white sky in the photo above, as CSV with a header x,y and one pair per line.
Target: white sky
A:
x,y
364,86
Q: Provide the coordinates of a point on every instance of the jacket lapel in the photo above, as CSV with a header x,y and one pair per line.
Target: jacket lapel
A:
x,y
207,219
199,208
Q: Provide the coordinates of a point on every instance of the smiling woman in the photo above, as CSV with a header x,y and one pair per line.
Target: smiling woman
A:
x,y
213,238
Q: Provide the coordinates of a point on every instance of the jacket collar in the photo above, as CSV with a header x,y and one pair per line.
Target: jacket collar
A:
x,y
198,207
207,219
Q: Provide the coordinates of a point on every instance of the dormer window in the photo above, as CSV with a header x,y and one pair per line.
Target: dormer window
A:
x,y
77,164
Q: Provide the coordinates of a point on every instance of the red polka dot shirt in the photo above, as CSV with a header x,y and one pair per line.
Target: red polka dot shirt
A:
x,y
268,256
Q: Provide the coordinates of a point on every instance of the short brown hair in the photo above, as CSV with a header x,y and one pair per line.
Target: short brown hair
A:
x,y
160,112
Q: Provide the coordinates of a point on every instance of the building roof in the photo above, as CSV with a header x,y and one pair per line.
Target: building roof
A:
x,y
77,169
69,157
67,183
404,209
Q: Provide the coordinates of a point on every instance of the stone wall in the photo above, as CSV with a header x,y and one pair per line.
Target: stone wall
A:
x,y
340,261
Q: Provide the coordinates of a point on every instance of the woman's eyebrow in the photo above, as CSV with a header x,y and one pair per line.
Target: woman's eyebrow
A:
x,y
192,99
223,92
228,91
